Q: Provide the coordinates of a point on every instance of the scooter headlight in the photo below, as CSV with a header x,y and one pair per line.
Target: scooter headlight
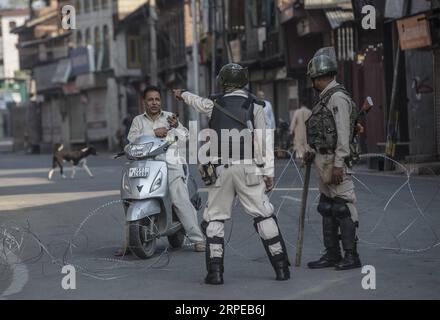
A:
x,y
126,183
157,182
139,150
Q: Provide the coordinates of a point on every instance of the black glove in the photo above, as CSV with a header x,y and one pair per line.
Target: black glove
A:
x,y
309,157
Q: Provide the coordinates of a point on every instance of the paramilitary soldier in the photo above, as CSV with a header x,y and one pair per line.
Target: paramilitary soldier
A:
x,y
330,132
231,111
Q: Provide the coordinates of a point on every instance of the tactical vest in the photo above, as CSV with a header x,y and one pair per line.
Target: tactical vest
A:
x,y
322,134
243,109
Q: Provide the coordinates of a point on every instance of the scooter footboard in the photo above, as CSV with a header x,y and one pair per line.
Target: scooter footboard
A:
x,y
142,209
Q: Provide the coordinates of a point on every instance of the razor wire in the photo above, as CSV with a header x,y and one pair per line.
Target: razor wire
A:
x,y
14,238
407,184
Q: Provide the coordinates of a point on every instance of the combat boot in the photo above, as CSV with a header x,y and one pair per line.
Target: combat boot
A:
x,y
279,260
282,270
214,260
328,260
348,236
351,261
215,275
332,255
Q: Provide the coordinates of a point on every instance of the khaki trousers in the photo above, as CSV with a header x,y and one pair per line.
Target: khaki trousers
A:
x,y
240,180
345,190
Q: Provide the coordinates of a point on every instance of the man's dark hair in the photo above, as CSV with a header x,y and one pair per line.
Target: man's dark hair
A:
x,y
150,88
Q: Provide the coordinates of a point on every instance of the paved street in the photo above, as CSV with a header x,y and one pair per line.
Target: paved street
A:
x,y
38,218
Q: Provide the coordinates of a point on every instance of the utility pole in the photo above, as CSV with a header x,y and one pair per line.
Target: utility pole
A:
x,y
195,47
214,44
153,42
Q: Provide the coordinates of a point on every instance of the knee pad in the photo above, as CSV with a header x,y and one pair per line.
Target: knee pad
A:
x,y
215,247
269,232
266,227
340,209
325,205
214,228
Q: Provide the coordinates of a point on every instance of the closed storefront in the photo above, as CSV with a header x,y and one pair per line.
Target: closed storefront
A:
x,y
96,115
51,121
77,117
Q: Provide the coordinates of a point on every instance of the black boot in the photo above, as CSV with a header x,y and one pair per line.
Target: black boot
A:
x,y
331,243
214,263
215,274
280,261
282,270
348,236
328,260
351,261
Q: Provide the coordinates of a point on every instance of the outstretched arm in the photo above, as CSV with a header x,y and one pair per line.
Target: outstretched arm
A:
x,y
201,105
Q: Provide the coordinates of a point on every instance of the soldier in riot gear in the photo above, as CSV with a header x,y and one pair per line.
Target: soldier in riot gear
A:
x,y
330,131
240,176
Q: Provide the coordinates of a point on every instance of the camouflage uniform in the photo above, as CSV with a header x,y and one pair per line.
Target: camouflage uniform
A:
x,y
330,131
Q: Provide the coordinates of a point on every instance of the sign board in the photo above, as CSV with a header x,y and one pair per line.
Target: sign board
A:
x,y
79,58
414,32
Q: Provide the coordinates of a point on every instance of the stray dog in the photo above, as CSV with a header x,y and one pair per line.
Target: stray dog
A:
x,y
77,158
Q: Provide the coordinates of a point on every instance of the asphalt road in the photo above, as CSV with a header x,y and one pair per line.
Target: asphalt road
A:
x,y
399,237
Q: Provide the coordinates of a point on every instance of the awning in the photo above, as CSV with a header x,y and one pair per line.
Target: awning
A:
x,y
337,17
31,43
327,4
62,73
44,75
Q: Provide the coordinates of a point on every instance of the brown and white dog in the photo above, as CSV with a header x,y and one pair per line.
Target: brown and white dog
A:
x,y
76,157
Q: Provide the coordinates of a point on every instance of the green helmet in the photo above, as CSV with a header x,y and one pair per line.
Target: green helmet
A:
x,y
321,65
233,75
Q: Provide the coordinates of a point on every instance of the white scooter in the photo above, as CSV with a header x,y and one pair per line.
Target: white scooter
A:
x,y
145,194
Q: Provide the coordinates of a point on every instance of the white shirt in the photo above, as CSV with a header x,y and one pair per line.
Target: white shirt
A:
x,y
270,117
144,125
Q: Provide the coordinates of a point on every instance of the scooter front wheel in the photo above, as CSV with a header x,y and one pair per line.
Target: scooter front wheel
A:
x,y
142,237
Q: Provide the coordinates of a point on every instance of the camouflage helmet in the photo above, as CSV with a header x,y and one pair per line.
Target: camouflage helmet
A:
x,y
233,75
323,63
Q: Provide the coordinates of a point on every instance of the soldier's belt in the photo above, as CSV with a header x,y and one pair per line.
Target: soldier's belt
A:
x,y
324,150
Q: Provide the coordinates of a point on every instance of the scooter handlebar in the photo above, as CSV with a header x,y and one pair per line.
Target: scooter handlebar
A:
x,y
118,155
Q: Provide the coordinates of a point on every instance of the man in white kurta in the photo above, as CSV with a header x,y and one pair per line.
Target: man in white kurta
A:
x,y
162,124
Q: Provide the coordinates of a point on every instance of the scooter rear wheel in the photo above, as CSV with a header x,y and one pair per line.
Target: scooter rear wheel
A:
x,y
142,237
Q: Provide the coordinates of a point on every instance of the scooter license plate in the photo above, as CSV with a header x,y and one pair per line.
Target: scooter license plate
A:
x,y
138,172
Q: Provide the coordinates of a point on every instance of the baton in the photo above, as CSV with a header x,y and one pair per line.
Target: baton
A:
x,y
302,216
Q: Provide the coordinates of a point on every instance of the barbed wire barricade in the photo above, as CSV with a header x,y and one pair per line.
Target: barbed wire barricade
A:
x,y
21,244
381,204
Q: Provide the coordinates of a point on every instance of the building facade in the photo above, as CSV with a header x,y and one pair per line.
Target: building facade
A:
x,y
9,58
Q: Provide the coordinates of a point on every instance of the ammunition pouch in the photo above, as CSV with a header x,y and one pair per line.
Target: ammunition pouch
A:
x,y
208,173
